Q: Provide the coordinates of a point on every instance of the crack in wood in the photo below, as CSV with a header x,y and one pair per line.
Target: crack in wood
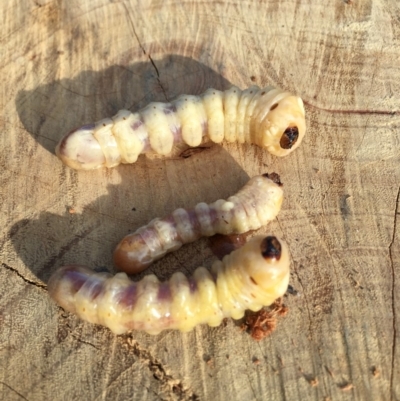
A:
x,y
36,284
133,28
83,341
176,386
158,78
144,51
394,343
13,390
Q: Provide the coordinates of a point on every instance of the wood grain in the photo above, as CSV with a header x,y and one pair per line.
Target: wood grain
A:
x,y
68,63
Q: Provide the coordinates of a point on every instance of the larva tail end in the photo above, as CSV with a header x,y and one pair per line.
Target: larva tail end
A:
x,y
283,127
132,255
80,150
65,283
222,245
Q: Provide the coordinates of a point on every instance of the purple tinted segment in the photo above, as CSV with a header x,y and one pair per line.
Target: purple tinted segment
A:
x,y
128,297
67,281
213,216
86,127
194,222
192,285
137,124
96,289
76,276
177,133
63,143
164,292
169,109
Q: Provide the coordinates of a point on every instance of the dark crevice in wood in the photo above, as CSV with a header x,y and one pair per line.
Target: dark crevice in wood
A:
x,y
12,269
394,315
14,391
133,28
84,342
145,53
159,373
158,78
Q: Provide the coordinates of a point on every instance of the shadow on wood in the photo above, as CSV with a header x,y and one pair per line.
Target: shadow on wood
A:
x,y
89,235
50,111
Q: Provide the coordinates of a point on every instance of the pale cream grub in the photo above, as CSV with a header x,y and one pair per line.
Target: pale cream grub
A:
x,y
247,279
251,208
270,118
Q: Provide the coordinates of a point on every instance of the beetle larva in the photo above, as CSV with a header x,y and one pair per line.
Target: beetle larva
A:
x,y
256,204
249,278
269,117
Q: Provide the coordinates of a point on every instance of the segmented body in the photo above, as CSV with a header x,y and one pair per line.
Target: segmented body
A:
x,y
269,117
256,204
248,278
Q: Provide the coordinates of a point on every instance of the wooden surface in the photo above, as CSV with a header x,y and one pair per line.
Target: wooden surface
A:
x,y
68,63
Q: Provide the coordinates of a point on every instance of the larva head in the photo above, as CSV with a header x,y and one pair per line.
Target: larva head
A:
x,y
264,266
271,248
280,126
80,150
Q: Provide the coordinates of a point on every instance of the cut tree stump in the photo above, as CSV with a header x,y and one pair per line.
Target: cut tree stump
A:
x,y
64,64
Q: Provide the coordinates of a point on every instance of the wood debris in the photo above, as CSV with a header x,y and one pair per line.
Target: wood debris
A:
x,y
346,387
262,323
